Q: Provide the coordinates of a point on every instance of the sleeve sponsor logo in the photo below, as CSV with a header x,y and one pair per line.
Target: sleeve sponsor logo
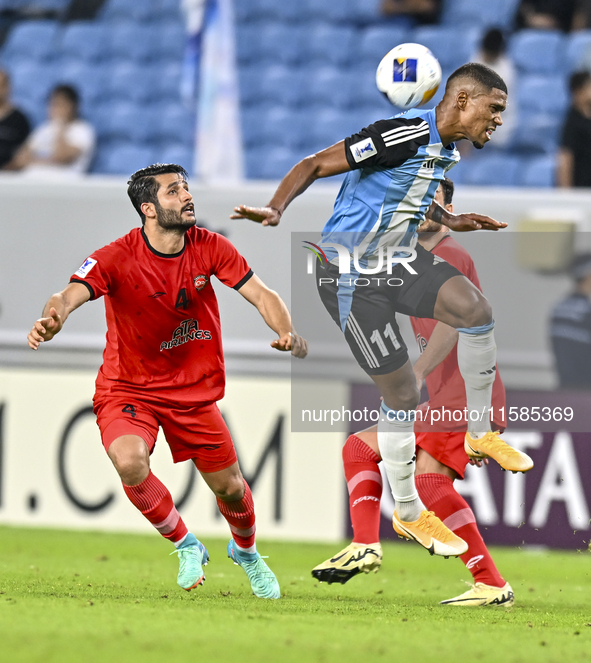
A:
x,y
85,267
363,150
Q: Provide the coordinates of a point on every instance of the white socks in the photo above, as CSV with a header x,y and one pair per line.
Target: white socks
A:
x,y
477,356
396,441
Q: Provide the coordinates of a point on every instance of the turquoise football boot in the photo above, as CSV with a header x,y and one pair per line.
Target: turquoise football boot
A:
x,y
262,580
193,556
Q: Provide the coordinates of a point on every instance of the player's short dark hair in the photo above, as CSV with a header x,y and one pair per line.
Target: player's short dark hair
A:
x,y
447,186
69,92
142,186
580,267
480,73
578,80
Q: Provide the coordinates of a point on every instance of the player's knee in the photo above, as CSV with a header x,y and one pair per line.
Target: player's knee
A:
x,y
404,399
131,462
231,490
477,312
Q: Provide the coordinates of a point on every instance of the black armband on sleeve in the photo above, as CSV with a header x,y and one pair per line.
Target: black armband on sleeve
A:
x,y
89,287
244,279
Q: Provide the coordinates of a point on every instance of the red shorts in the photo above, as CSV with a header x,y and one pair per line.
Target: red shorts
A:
x,y
193,432
447,448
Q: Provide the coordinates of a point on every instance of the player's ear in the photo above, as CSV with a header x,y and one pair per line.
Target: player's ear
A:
x,y
462,99
450,208
148,210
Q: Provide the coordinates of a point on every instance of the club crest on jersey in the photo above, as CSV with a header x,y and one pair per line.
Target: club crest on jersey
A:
x,y
85,267
200,282
363,150
187,331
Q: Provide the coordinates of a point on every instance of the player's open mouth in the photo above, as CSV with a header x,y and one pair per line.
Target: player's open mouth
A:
x,y
489,133
189,209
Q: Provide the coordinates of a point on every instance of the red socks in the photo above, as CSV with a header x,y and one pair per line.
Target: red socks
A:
x,y
154,500
241,519
439,495
364,483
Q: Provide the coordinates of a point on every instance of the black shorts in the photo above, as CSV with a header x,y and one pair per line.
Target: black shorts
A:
x,y
364,306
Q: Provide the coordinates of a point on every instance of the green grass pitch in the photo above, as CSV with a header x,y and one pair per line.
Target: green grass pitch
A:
x,y
95,597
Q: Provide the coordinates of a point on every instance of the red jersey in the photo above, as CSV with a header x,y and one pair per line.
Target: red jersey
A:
x,y
445,383
163,324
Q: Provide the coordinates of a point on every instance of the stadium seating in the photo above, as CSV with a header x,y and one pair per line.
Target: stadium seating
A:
x,y
493,170
538,51
126,159
539,172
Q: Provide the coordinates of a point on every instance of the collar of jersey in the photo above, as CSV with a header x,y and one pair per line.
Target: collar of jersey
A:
x,y
431,119
163,255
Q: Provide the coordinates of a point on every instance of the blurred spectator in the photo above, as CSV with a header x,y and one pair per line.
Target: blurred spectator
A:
x,y
14,126
420,11
582,17
570,329
546,14
64,144
574,153
492,53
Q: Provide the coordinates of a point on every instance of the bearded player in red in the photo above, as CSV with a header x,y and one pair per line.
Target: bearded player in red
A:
x,y
441,457
163,364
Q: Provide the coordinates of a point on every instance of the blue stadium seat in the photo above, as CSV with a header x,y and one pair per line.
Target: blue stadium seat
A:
x,y
33,40
343,11
268,163
256,10
537,132
377,40
283,86
249,41
168,79
367,93
126,159
282,43
330,44
284,127
328,126
578,50
493,170
539,172
131,82
84,40
366,12
169,41
542,94
253,131
173,123
128,122
453,47
331,87
538,51
130,42
492,13
182,154
32,82
91,81
129,10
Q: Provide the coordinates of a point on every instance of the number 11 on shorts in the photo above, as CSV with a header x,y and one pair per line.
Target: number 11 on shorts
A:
x,y
376,338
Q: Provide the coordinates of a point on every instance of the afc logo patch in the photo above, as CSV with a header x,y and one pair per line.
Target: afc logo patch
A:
x,y
200,282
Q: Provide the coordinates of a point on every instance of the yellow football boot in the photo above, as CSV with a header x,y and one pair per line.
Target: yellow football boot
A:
x,y
481,594
432,534
355,558
492,446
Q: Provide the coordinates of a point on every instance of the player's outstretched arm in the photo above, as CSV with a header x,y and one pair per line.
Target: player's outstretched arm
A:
x,y
331,161
274,311
463,222
55,313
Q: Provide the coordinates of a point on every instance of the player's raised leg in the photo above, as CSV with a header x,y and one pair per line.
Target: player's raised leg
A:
x,y
130,456
461,305
235,503
435,483
364,483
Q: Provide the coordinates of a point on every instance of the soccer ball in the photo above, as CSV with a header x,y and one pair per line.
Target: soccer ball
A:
x,y
409,75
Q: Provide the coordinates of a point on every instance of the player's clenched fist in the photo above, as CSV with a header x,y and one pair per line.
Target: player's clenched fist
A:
x,y
294,342
44,329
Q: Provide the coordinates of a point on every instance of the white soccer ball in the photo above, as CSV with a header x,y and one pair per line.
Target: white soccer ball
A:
x,y
409,75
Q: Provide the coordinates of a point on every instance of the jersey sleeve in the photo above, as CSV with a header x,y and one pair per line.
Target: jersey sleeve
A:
x,y
101,272
386,143
457,256
228,264
570,135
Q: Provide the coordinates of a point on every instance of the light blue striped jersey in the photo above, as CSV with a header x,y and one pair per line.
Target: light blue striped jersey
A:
x,y
397,165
